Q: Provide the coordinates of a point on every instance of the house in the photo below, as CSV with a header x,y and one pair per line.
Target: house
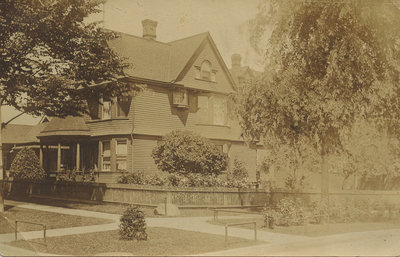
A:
x,y
15,136
186,86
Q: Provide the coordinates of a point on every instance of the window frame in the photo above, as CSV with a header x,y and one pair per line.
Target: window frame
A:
x,y
105,156
119,156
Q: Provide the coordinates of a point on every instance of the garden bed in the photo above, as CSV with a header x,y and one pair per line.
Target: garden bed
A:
x,y
51,219
162,241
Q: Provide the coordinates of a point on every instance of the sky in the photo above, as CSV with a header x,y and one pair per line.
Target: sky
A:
x,y
226,20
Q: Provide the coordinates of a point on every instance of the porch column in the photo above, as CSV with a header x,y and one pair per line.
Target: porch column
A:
x,y
41,156
78,156
46,159
59,157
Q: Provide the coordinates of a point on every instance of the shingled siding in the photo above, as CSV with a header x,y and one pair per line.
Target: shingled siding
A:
x,y
110,127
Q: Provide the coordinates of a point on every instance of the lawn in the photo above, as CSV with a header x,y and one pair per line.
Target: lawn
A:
x,y
162,241
51,219
312,230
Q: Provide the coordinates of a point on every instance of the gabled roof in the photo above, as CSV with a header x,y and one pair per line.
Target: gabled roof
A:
x,y
68,126
165,62
21,134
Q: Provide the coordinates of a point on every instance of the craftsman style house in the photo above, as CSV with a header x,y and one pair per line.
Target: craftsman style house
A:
x,y
186,86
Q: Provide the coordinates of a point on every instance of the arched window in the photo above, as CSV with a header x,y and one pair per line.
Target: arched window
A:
x,y
205,70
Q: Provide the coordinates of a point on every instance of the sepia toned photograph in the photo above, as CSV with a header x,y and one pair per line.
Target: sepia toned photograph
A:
x,y
199,128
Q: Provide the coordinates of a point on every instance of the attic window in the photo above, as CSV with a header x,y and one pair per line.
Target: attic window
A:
x,y
205,71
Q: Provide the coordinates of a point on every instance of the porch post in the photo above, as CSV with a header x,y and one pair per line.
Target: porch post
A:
x,y
78,156
46,159
59,157
41,155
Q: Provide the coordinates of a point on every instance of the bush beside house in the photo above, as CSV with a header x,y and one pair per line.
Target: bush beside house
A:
x,y
26,167
185,152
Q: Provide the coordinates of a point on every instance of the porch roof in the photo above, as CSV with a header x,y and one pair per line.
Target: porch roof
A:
x,y
68,126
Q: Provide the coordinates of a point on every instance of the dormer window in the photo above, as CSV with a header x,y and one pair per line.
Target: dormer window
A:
x,y
205,71
106,110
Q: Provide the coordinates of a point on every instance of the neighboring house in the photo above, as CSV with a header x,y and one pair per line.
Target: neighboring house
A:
x,y
186,87
14,137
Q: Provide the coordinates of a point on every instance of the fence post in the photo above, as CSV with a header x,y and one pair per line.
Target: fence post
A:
x,y
44,234
165,204
255,231
16,230
226,235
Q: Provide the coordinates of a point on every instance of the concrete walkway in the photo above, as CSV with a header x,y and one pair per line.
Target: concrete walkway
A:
x,y
197,224
275,243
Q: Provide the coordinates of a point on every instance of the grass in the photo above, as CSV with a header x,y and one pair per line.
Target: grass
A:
x,y
312,230
112,208
51,219
161,241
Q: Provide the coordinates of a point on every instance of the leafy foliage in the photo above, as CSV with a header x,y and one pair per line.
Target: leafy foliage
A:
x,y
239,170
133,224
184,180
77,176
186,152
51,57
26,166
327,63
286,213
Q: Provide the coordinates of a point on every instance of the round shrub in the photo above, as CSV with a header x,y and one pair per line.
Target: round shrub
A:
x,y
26,166
133,224
186,152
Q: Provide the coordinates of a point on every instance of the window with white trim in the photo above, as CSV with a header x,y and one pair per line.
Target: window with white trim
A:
x,y
220,110
121,154
106,110
106,155
205,70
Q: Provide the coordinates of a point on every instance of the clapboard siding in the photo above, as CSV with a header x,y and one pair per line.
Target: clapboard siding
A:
x,y
154,114
142,160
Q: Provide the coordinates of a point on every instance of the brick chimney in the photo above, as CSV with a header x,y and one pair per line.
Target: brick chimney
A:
x,y
236,61
149,29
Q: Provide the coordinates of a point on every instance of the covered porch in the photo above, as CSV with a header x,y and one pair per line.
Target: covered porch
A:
x,y
66,145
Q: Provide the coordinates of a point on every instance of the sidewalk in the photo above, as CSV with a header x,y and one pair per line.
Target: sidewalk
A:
x,y
197,224
383,242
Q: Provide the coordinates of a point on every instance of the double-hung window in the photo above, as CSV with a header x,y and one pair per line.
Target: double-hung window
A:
x,y
106,156
220,110
121,153
106,110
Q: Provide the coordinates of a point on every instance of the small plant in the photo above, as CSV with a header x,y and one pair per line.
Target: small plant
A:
x,y
133,225
26,166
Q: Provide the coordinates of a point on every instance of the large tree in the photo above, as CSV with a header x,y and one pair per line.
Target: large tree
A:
x,y
327,63
51,60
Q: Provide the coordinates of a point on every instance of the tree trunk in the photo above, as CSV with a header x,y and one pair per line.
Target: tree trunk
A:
x,y
1,166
